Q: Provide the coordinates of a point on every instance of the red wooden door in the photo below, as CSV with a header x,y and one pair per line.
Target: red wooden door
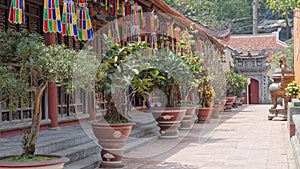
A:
x,y
254,92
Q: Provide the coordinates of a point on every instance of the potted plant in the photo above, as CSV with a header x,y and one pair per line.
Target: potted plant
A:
x,y
235,84
292,89
206,95
30,65
174,86
119,69
189,93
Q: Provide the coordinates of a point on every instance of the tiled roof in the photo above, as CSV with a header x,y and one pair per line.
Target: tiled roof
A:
x,y
244,43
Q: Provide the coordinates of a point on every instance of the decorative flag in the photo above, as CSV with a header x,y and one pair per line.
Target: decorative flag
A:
x,y
17,12
85,29
52,19
69,26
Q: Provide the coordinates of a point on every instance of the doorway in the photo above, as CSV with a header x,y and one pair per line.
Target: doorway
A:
x,y
254,92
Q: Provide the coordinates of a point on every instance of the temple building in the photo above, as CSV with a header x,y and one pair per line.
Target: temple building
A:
x,y
255,68
252,55
152,21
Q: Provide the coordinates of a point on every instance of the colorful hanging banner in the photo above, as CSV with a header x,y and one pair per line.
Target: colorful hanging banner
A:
x,y
85,29
17,12
113,32
52,20
69,19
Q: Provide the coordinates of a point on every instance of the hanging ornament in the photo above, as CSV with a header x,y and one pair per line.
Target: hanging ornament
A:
x,y
69,26
113,7
172,36
117,33
167,30
17,12
177,39
85,29
137,33
128,12
52,19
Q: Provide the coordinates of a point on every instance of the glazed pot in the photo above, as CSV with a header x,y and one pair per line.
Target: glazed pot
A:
x,y
169,120
217,109
112,138
204,114
57,163
229,102
188,121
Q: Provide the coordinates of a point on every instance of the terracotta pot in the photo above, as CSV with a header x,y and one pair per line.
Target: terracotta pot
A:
x,y
230,99
204,114
229,102
57,163
217,110
223,102
188,121
169,120
112,138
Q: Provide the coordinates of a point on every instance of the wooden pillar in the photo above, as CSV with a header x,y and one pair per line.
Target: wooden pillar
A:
x,y
91,106
52,90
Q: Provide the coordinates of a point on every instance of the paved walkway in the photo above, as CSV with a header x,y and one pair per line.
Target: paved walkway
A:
x,y
243,138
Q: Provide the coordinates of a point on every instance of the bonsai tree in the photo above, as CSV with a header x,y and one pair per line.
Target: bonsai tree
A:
x,y
27,65
118,70
175,78
235,83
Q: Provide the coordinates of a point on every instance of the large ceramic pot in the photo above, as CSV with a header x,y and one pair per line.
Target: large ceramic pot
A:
x,y
169,120
229,102
204,114
223,102
188,121
217,109
56,162
112,138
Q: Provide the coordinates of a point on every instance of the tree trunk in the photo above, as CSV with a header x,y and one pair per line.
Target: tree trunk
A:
x,y
29,145
287,26
255,19
112,113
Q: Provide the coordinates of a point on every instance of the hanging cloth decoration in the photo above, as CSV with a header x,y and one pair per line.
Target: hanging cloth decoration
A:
x,y
172,36
117,33
113,32
69,26
167,27
128,11
153,29
113,7
17,12
177,39
137,33
52,19
85,29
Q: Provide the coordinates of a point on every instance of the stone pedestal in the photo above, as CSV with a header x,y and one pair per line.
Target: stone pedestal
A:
x,y
293,109
280,113
295,140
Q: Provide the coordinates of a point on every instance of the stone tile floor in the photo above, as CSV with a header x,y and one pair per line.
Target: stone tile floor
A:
x,y
241,139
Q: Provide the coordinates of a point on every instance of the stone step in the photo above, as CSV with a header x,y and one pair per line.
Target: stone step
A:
x,y
146,130
70,140
79,152
92,161
133,143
